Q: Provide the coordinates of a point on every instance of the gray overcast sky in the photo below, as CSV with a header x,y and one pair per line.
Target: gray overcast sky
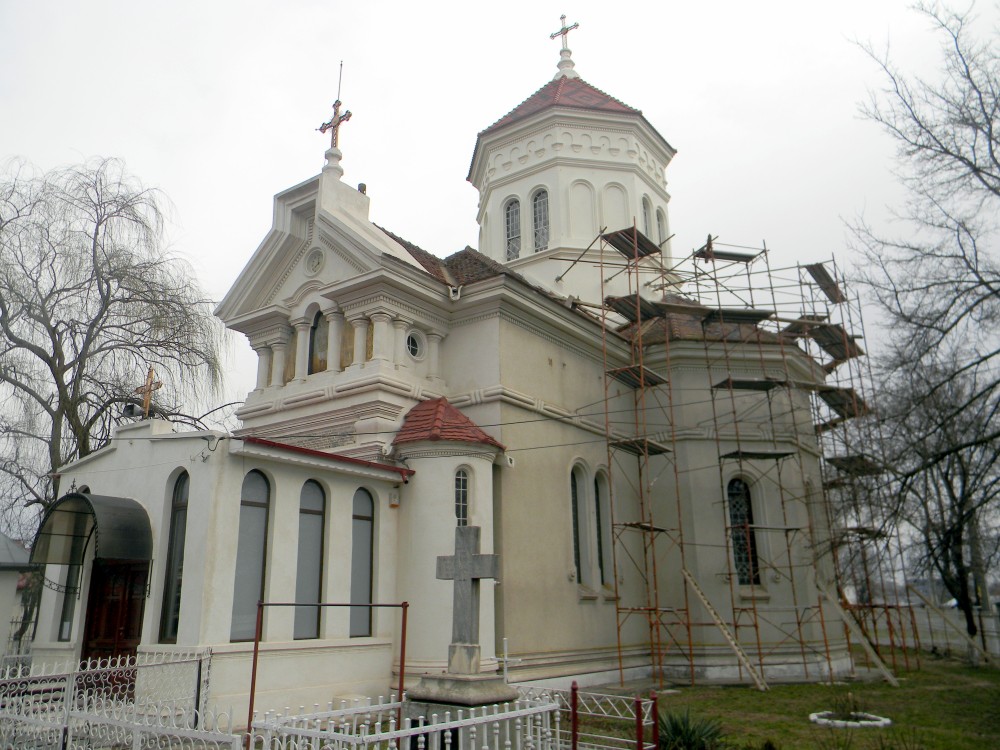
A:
x,y
216,103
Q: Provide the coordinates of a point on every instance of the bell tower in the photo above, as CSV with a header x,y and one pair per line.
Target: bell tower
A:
x,y
567,162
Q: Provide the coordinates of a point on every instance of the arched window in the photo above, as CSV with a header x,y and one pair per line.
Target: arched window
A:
x,y
171,607
512,228
540,217
661,227
362,559
581,549
462,497
309,571
319,341
742,533
251,555
602,509
647,217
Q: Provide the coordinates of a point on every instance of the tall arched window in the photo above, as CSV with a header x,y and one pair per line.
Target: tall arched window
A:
x,y
251,555
171,606
602,509
540,219
742,533
462,497
661,227
319,341
512,228
581,549
362,559
647,217
309,571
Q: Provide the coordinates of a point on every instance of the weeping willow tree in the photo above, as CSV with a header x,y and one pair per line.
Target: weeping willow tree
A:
x,y
89,300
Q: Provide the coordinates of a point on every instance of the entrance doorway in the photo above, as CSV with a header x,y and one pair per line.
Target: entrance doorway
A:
x,y
114,608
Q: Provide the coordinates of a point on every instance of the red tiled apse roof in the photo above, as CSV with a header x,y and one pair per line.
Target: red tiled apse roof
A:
x,y
439,420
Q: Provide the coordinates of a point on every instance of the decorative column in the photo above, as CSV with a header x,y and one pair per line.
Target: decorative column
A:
x,y
399,345
278,362
263,366
380,339
302,330
433,354
360,340
335,337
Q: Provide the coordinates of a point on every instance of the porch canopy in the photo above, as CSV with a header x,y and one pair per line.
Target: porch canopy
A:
x,y
119,525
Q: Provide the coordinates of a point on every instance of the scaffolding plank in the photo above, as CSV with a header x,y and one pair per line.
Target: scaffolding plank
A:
x,y
803,325
851,624
735,315
749,455
859,465
750,384
633,308
642,526
844,401
676,308
834,339
826,282
640,446
637,376
711,253
631,243
734,644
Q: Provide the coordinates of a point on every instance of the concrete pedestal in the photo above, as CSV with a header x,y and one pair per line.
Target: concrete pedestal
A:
x,y
461,690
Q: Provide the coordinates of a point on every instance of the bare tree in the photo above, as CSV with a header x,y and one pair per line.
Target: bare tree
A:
x,y
944,494
937,284
938,280
89,299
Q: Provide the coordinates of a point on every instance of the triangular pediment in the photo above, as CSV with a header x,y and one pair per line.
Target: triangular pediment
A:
x,y
320,238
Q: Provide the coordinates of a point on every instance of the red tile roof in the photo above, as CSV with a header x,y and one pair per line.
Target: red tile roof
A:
x,y
439,420
574,93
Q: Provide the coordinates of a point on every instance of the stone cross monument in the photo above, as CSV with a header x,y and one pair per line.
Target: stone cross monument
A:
x,y
463,683
466,568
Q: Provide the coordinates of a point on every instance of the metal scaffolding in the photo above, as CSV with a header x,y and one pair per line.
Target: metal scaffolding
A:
x,y
781,398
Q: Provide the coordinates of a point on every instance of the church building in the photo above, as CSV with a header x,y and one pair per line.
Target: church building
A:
x,y
639,452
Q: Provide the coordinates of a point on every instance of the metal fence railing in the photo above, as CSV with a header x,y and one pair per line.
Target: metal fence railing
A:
x,y
99,700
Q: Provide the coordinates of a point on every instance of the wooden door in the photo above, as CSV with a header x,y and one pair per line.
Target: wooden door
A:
x,y
114,608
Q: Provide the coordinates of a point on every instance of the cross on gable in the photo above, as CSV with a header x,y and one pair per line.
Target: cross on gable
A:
x,y
146,391
564,31
466,568
334,123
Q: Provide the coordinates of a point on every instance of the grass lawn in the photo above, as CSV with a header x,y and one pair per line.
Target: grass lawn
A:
x,y
943,706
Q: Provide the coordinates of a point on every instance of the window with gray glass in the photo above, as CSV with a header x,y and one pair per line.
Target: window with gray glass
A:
x,y
309,570
362,562
462,497
661,227
512,228
171,607
319,335
540,216
251,555
742,533
601,519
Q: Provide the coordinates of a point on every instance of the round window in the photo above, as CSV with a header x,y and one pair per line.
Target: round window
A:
x,y
414,345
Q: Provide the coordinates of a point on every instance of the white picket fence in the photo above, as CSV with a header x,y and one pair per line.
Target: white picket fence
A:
x,y
521,725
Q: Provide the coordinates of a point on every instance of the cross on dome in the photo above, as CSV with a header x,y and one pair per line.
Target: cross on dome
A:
x,y
565,55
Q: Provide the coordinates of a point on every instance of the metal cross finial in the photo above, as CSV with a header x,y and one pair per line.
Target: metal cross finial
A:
x,y
334,123
564,31
146,391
